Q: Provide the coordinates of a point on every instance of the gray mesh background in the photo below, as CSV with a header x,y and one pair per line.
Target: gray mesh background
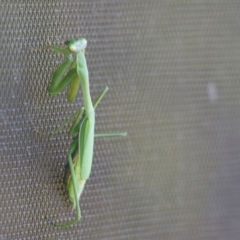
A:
x,y
173,70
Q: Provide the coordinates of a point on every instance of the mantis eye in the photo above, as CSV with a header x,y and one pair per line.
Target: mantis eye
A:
x,y
69,41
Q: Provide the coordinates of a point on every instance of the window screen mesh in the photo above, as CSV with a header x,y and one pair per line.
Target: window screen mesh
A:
x,y
173,70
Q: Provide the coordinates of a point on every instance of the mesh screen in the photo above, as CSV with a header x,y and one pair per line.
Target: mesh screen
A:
x,y
173,71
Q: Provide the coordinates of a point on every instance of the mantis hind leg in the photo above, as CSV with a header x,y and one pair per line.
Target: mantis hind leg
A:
x,y
117,134
77,114
78,211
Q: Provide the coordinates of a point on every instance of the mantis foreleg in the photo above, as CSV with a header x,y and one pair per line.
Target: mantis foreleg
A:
x,y
59,81
58,74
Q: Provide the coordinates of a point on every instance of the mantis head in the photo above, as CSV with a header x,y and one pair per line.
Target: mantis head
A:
x,y
76,45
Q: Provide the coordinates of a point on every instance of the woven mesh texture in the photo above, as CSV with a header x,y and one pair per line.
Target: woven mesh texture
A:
x,y
173,72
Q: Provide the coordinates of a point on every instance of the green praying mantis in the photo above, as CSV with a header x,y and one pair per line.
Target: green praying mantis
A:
x,y
73,72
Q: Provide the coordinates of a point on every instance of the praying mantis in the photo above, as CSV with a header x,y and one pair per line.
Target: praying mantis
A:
x,y
73,72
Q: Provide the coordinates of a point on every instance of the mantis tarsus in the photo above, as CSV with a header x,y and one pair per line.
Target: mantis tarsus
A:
x,y
80,153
